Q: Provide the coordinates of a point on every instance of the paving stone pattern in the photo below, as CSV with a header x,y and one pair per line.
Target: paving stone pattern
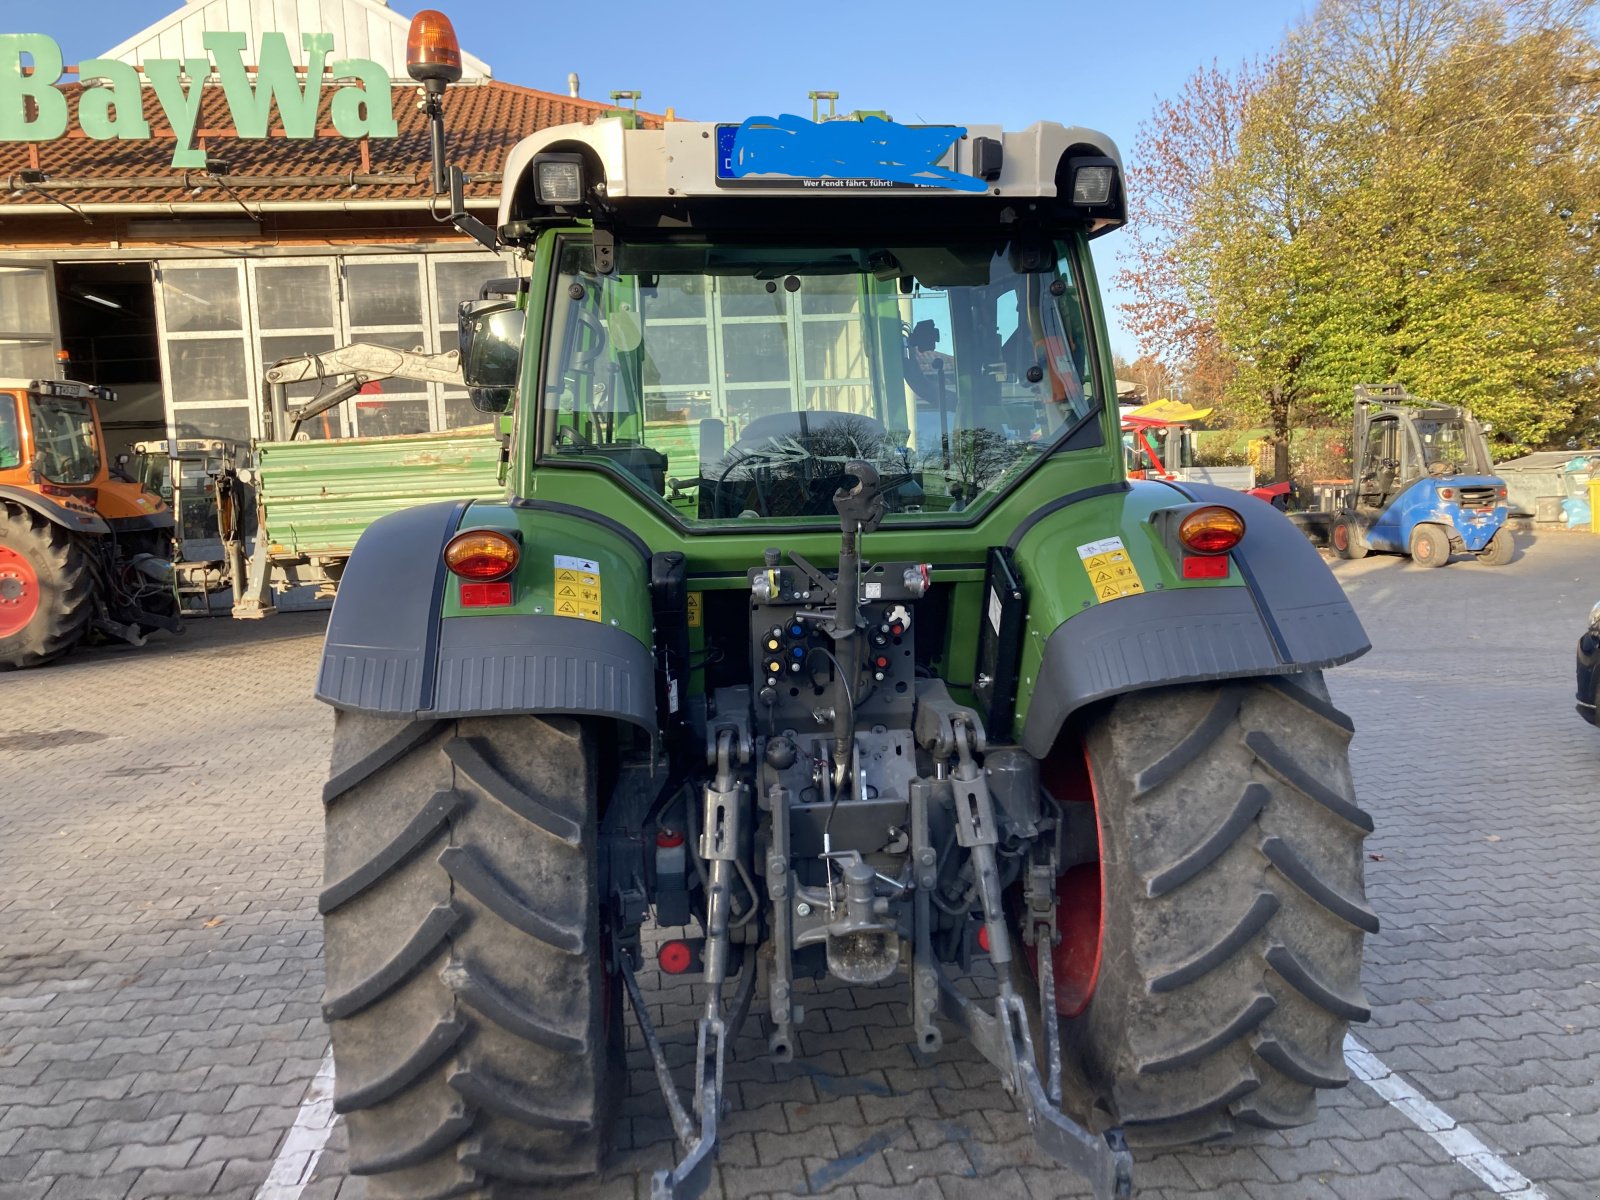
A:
x,y
159,947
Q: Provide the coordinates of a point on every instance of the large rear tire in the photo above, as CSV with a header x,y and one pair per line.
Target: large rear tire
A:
x,y
46,589
476,1023
1229,967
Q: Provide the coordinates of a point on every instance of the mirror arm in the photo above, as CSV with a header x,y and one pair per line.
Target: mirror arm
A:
x,y
468,224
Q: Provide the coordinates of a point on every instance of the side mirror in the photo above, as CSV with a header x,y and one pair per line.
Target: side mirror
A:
x,y
491,352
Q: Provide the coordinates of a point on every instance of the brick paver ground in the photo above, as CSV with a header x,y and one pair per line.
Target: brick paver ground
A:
x,y
159,946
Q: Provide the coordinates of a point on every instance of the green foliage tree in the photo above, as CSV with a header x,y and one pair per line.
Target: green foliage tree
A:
x,y
1410,191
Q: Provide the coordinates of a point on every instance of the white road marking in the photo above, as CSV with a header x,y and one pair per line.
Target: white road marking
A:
x,y
292,1169
1459,1142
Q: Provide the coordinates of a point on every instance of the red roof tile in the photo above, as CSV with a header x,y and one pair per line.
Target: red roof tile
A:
x,y
483,122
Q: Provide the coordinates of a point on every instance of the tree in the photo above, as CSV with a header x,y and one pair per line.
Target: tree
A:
x,y
1408,190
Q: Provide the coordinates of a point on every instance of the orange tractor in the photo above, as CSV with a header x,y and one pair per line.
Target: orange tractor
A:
x,y
84,549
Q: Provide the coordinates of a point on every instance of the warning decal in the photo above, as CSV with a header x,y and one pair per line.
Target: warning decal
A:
x,y
1111,573
694,610
577,588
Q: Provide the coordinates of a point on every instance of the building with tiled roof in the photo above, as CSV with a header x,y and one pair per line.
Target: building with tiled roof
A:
x,y
178,286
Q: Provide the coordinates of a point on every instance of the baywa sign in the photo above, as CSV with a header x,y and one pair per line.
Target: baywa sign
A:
x,y
109,105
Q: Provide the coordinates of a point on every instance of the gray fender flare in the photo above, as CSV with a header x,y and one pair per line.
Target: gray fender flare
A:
x,y
389,652
1290,616
47,508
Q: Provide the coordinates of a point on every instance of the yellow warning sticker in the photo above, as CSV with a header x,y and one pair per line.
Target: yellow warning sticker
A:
x,y
1111,572
694,610
577,588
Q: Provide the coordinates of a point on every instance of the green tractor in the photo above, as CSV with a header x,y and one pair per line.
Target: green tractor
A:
x,y
820,627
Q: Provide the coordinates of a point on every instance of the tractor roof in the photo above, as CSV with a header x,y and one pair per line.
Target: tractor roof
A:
x,y
697,170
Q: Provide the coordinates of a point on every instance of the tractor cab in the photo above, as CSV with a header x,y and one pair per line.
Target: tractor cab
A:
x,y
1422,482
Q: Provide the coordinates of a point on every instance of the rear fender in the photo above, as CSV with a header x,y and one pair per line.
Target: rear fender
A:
x,y
54,511
1279,611
400,644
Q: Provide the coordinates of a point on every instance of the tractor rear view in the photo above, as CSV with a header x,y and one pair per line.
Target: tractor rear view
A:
x,y
820,629
84,550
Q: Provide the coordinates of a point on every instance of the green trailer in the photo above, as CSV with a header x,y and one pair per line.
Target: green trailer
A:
x,y
314,499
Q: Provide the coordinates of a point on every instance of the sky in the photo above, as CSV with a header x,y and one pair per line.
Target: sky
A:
x,y
1102,65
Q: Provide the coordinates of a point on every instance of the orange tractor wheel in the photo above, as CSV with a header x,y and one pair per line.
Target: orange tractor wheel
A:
x,y
46,589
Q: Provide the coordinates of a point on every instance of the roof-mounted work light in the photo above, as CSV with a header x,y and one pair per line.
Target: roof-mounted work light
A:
x,y
433,55
1092,181
558,179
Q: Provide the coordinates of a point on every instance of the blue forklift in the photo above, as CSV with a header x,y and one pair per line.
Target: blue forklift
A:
x,y
1422,484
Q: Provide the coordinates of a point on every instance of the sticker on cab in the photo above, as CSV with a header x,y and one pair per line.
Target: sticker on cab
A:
x,y
577,588
694,610
1111,572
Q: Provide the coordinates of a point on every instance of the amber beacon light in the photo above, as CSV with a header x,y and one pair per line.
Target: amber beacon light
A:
x,y
433,56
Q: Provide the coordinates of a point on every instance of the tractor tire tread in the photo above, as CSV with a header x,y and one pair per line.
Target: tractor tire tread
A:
x,y
472,1011
64,569
1233,911
401,1075
428,822
1197,858
423,944
1300,873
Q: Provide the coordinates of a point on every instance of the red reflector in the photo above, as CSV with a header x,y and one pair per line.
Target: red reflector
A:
x,y
983,938
675,957
1211,566
485,595
669,839
1447,493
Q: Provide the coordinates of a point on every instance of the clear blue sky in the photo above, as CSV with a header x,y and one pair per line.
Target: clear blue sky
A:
x,y
1100,65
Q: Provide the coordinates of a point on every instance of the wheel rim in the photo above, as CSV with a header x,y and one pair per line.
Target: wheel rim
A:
x,y
1079,891
19,592
1424,550
1341,537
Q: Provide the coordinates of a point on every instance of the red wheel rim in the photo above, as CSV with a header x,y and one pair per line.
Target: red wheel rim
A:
x,y
1341,537
19,592
1080,913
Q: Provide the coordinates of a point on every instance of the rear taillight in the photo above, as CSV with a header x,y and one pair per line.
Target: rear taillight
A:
x,y
1447,493
482,555
1211,530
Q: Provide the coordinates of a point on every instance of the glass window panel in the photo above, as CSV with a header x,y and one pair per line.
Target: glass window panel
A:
x,y
677,356
25,301
831,294
201,299
27,360
755,353
834,350
455,281
207,369
389,418
399,339
384,293
459,413
746,297
851,398
232,423
673,297
274,349
294,297
747,404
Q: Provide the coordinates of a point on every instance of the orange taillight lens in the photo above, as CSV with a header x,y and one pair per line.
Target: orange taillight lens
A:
x,y
1211,530
482,555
